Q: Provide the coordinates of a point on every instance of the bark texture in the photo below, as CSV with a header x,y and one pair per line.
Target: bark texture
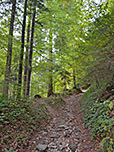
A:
x,y
9,52
50,85
74,78
31,49
26,61
22,50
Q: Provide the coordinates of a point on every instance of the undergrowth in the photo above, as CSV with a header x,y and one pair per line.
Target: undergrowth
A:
x,y
18,120
92,94
99,121
99,117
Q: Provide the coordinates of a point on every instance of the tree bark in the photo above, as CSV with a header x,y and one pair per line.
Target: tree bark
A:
x,y
50,85
26,61
31,49
74,78
22,50
9,52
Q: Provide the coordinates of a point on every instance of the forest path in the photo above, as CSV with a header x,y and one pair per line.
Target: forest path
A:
x,y
65,131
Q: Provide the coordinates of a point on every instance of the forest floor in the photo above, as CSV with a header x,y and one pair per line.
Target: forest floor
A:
x,y
65,132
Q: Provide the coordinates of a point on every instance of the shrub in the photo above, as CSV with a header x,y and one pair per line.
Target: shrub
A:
x,y
98,119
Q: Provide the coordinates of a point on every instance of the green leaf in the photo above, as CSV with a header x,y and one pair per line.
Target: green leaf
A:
x,y
111,104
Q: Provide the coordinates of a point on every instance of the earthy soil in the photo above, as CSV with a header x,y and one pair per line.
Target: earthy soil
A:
x,y
65,132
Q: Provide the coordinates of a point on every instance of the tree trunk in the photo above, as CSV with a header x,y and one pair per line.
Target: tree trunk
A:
x,y
50,85
31,49
9,52
22,50
74,78
26,61
77,89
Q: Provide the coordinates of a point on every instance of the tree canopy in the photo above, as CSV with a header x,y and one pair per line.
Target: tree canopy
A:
x,y
59,36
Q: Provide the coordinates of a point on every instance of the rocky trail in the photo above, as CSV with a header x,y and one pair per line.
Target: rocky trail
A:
x,y
65,132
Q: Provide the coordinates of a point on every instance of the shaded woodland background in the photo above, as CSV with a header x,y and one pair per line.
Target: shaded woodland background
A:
x,y
52,46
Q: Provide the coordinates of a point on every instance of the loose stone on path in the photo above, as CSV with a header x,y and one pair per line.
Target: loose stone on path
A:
x,y
42,147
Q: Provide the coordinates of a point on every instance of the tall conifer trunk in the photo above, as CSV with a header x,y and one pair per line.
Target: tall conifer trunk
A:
x,y
9,52
22,50
31,50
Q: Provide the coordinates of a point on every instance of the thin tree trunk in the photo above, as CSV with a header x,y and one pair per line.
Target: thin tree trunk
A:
x,y
74,78
26,61
78,90
9,52
31,50
22,50
50,85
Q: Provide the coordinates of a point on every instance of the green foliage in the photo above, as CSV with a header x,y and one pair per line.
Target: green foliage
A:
x,y
81,39
107,143
18,119
10,150
99,72
14,111
92,94
98,119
